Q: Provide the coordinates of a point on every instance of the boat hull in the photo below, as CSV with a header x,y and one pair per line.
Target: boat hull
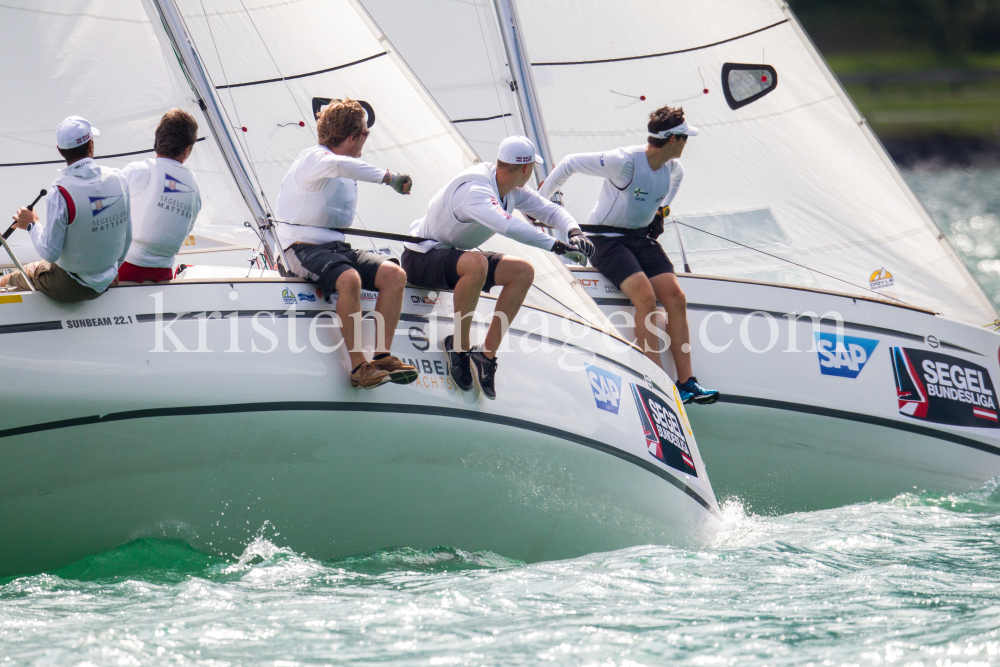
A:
x,y
799,429
110,441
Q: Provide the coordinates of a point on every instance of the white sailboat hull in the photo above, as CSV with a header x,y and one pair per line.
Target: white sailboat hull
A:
x,y
798,430
105,440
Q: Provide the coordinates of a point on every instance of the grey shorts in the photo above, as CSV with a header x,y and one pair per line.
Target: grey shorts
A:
x,y
325,263
438,268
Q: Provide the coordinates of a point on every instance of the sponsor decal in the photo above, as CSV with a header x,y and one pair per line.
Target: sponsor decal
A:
x,y
368,295
880,279
589,282
288,297
942,389
174,186
99,205
433,373
419,339
607,388
424,300
845,356
662,429
306,297
639,194
99,322
11,298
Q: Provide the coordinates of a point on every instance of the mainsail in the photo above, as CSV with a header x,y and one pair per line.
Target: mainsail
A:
x,y
794,170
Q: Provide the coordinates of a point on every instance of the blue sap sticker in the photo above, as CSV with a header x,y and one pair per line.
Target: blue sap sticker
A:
x,y
607,388
306,297
845,357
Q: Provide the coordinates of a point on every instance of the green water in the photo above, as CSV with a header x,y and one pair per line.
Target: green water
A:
x,y
911,581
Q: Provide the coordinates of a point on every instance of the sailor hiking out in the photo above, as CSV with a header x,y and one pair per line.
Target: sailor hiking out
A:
x,y
640,184
317,198
165,200
463,215
88,228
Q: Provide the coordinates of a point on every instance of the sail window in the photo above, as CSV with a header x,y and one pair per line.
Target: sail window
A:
x,y
743,84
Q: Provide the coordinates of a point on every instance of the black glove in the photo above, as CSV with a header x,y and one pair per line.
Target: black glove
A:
x,y
583,244
655,228
569,251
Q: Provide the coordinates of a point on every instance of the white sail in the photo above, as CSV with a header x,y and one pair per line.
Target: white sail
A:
x,y
102,60
796,173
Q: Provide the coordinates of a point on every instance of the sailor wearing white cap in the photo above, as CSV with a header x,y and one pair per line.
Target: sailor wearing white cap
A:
x,y
640,184
474,206
318,197
88,228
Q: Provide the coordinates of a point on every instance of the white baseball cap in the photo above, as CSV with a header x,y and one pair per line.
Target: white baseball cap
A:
x,y
518,150
74,132
683,128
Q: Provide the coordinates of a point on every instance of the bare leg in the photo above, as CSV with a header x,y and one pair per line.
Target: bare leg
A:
x,y
668,292
640,292
349,312
390,281
516,276
472,268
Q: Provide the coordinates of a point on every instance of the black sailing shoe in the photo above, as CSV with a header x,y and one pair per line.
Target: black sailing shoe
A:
x,y
486,371
461,368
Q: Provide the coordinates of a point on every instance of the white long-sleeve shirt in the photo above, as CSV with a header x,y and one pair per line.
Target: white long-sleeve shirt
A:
x,y
481,212
618,167
49,237
319,194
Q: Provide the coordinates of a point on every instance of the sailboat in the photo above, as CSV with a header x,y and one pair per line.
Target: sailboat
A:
x,y
848,338
216,405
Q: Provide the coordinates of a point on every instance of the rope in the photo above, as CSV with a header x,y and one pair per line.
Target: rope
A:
x,y
801,266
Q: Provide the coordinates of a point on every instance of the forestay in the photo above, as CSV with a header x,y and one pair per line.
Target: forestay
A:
x,y
99,59
785,164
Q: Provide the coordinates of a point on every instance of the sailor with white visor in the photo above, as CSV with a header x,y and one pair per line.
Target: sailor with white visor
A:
x,y
464,214
317,198
87,229
640,184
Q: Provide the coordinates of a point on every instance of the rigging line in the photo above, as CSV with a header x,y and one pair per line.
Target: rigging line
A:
x,y
496,89
275,63
802,266
474,120
665,53
96,157
300,76
243,142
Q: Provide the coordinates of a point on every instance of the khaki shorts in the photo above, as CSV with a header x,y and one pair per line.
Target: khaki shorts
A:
x,y
52,280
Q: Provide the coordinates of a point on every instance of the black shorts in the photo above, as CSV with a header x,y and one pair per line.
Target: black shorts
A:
x,y
618,257
325,263
438,268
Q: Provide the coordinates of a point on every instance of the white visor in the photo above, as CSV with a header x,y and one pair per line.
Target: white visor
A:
x,y
683,128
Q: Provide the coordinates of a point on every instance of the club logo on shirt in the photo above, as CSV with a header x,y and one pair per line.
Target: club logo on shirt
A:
x,y
496,203
99,205
175,186
639,194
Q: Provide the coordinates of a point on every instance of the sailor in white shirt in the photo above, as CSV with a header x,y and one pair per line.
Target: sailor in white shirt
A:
x,y
474,206
88,227
317,198
165,200
640,184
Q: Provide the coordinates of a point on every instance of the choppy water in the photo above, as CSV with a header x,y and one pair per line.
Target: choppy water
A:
x,y
911,581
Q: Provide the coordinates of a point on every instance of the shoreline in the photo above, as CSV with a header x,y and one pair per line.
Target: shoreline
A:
x,y
943,150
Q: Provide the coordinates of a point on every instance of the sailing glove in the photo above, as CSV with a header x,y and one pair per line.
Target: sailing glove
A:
x,y
578,239
655,228
570,252
401,183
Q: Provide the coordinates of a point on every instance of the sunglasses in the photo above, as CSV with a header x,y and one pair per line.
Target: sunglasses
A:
x,y
681,137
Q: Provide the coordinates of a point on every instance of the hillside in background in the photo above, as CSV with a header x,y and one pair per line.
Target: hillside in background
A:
x,y
925,73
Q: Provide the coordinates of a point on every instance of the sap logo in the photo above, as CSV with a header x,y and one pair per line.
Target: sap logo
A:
x,y
424,300
607,388
306,297
288,297
639,194
99,205
844,357
880,279
174,186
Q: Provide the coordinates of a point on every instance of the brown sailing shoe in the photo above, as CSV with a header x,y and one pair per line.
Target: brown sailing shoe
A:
x,y
368,376
400,373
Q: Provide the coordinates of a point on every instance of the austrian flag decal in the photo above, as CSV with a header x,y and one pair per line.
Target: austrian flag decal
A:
x,y
943,389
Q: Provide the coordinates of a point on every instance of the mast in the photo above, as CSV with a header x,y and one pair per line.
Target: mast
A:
x,y
187,55
517,58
